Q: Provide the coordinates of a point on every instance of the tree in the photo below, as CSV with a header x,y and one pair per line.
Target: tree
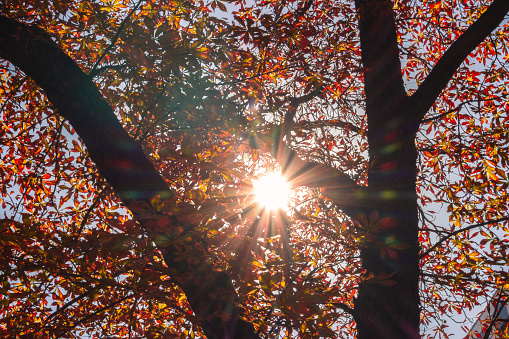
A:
x,y
132,133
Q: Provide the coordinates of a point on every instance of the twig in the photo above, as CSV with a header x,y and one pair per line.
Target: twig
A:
x,y
98,70
432,248
100,310
114,40
94,205
68,304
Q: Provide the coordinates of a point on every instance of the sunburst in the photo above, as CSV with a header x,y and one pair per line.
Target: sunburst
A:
x,y
272,191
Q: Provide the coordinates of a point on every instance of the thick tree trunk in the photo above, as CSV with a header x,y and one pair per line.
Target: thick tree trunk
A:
x,y
388,304
121,161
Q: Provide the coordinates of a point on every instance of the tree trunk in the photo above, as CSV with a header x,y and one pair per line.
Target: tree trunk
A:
x,y
388,304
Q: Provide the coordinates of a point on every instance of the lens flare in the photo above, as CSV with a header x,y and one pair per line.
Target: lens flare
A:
x,y
272,191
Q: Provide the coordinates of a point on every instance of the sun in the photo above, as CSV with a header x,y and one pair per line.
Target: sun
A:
x,y
272,191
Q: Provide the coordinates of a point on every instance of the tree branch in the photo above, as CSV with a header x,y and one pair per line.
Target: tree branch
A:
x,y
454,110
441,241
328,123
69,303
102,309
99,70
499,307
293,104
95,203
121,161
336,185
119,158
445,68
13,93
305,7
345,308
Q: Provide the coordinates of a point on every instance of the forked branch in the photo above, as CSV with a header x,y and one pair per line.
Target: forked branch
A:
x,y
445,68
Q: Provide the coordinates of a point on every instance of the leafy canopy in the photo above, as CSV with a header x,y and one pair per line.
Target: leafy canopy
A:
x,y
210,89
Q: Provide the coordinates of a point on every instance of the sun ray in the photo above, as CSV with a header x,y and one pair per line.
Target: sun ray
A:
x,y
272,191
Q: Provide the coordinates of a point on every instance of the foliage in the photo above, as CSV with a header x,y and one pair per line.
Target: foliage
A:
x,y
217,92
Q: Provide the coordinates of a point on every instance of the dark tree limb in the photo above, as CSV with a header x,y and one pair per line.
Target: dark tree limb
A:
x,y
499,307
311,174
119,158
445,68
121,161
335,184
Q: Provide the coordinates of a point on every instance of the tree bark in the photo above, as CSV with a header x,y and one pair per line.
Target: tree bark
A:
x,y
388,305
121,161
